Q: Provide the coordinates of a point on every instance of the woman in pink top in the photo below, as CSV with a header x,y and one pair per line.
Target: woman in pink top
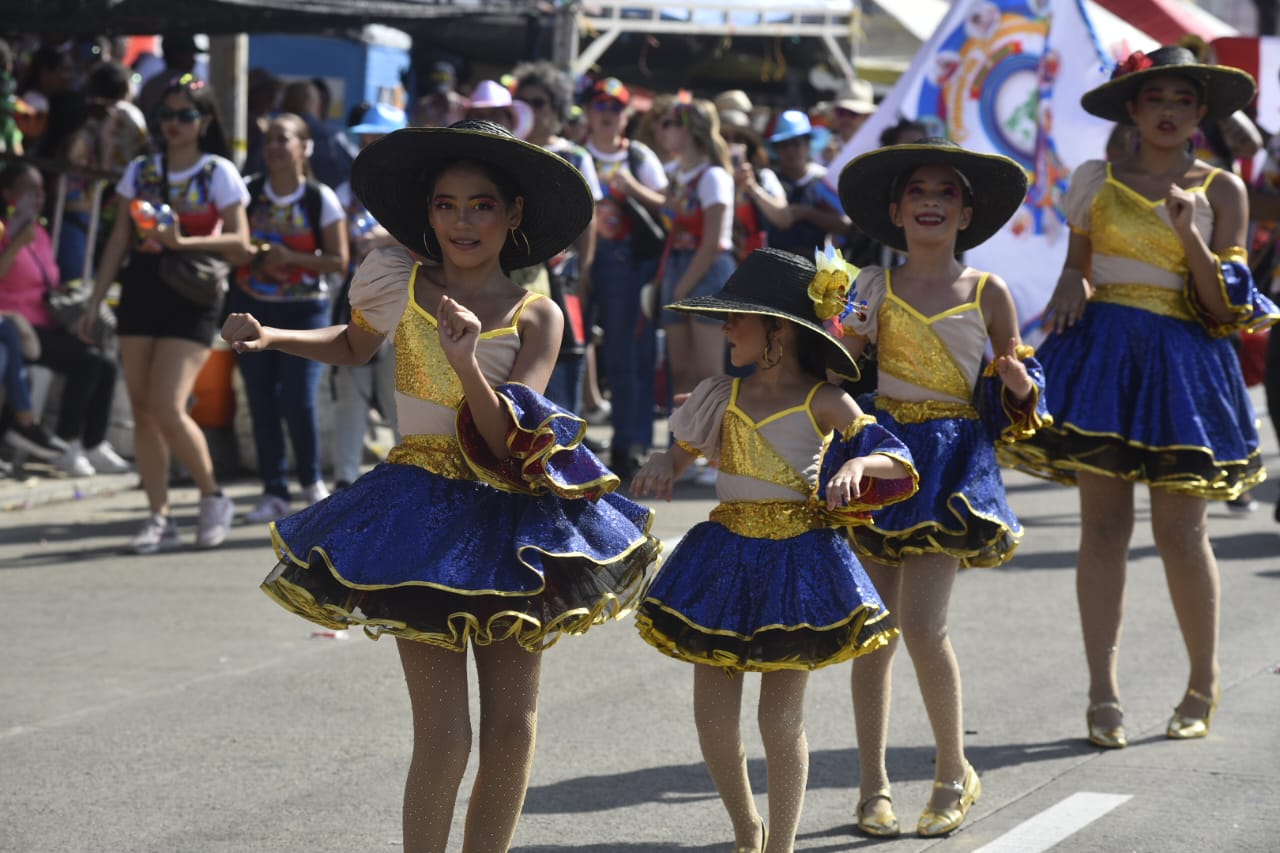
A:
x,y
28,270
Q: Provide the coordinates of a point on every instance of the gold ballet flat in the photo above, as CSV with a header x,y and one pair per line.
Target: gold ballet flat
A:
x,y
1182,727
764,841
883,825
1112,738
935,822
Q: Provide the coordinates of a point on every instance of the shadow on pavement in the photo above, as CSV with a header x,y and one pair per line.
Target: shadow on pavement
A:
x,y
829,768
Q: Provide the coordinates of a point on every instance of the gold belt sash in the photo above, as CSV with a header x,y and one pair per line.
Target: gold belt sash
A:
x,y
439,454
771,519
915,412
1146,297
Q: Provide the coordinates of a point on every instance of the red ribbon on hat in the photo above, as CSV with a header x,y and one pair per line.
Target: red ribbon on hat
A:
x,y
1137,61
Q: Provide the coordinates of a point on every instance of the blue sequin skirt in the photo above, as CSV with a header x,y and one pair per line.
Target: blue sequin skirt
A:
x,y
1145,398
409,552
759,605
960,508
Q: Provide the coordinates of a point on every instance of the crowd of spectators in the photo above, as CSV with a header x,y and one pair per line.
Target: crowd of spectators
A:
x,y
686,183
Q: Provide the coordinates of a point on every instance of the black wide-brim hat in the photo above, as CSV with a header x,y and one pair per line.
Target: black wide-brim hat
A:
x,y
996,184
391,175
1226,89
773,283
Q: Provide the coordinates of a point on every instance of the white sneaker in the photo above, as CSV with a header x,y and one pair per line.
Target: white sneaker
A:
x,y
74,463
216,512
600,415
269,508
157,533
105,460
315,493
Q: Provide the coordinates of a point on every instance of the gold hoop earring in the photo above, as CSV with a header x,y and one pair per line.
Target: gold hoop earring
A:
x,y
426,247
518,236
770,360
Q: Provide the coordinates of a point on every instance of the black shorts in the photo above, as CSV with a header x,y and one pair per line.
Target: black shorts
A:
x,y
149,308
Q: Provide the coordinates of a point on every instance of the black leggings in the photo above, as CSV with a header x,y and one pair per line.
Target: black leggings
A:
x,y
89,383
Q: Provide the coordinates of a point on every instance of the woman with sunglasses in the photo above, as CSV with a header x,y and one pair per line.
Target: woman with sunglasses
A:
x,y
629,243
165,336
699,210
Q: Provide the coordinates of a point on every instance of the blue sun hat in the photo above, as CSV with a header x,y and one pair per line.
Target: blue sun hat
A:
x,y
791,125
379,120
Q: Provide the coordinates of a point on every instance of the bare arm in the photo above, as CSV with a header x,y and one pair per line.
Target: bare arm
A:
x,y
1230,221
707,251
1066,306
658,474
830,221
459,331
332,256
341,345
774,208
1002,328
835,410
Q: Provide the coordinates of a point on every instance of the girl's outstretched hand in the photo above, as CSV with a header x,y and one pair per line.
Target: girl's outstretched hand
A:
x,y
844,483
245,333
1013,373
459,331
656,477
1067,304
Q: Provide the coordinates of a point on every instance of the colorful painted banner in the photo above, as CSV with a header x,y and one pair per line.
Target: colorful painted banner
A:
x,y
1005,77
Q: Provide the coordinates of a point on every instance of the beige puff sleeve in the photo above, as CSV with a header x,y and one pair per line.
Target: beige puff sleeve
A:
x,y
696,423
869,287
1085,183
380,289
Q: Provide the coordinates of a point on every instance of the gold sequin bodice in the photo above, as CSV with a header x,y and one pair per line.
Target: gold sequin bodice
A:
x,y
1126,224
935,358
780,450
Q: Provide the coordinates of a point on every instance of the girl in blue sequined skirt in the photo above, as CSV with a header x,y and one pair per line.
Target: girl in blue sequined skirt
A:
x,y
1143,382
932,320
770,584
490,528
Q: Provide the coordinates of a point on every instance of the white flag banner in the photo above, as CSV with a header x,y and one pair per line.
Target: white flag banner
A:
x,y
1005,77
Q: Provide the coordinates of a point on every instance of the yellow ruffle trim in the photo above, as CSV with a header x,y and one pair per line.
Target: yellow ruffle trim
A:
x,y
529,632
532,449
969,558
731,664
463,627
1033,460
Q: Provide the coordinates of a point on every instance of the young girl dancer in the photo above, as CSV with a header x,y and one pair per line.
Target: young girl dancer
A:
x,y
931,319
768,584
490,524
1155,281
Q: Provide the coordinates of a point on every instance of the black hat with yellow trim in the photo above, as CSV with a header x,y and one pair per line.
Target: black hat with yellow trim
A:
x,y
781,284
1223,89
391,177
996,187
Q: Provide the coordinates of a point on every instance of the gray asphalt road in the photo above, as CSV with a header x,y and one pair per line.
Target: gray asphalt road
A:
x,y
164,704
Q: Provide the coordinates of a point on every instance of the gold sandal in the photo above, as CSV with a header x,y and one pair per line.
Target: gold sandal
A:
x,y
1107,738
1183,727
935,822
883,825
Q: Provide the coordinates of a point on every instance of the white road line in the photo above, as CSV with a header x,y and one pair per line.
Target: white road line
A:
x,y
1056,823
